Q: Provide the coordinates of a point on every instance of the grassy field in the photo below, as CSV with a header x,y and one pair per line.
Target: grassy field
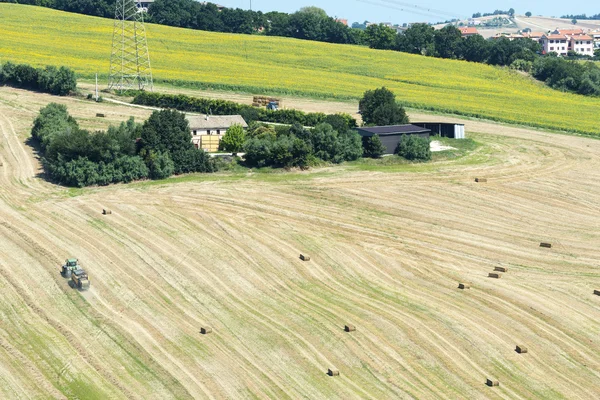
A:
x,y
285,66
389,242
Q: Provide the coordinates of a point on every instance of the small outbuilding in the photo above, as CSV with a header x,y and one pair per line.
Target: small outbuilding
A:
x,y
444,129
207,131
391,135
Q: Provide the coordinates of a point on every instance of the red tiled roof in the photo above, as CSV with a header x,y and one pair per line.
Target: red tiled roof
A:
x,y
570,31
555,37
581,37
468,31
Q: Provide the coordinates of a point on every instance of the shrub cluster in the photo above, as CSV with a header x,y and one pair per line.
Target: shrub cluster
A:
x,y
414,148
76,157
249,113
570,76
299,147
59,81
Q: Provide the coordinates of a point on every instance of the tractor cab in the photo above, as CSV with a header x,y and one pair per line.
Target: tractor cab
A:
x,y
71,264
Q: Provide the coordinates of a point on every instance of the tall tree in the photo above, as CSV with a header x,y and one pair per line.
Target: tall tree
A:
x,y
380,37
448,41
379,107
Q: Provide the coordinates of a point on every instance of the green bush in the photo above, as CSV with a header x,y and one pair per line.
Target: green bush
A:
x,y
414,148
233,140
372,147
58,81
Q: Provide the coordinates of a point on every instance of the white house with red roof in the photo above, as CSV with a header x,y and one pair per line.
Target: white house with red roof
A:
x,y
561,41
555,43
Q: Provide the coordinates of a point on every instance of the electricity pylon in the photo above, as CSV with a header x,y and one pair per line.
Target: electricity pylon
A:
x,y
129,60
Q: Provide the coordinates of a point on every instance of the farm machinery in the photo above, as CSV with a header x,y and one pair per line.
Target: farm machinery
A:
x,y
79,278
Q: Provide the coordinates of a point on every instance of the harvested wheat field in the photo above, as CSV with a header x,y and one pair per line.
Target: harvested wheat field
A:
x,y
388,247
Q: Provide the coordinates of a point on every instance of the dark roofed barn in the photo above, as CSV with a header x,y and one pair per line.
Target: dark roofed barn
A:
x,y
391,135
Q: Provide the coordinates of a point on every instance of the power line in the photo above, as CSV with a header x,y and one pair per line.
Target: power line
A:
x,y
403,9
429,10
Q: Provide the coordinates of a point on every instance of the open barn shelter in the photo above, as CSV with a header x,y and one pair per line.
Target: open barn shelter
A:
x,y
391,135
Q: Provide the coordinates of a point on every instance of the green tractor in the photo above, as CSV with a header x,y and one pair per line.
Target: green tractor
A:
x,y
80,279
71,265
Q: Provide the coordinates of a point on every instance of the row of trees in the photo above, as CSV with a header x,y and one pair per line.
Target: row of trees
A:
x,y
295,146
156,149
310,23
448,43
568,76
510,12
581,17
58,81
249,113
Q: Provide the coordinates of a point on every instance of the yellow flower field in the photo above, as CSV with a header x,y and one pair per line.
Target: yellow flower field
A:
x,y
288,66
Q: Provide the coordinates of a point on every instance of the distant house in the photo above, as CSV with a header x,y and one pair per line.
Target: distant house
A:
x,y
207,131
468,31
582,44
596,36
555,43
509,36
562,41
144,4
537,36
219,7
342,21
391,135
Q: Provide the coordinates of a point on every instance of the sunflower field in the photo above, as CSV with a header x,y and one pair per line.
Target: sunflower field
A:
x,y
269,65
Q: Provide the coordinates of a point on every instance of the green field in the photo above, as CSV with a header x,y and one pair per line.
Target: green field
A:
x,y
287,66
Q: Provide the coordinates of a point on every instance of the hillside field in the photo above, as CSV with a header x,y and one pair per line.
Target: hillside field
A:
x,y
389,245
286,66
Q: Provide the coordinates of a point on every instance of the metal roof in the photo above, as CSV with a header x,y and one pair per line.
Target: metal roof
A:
x,y
392,130
215,121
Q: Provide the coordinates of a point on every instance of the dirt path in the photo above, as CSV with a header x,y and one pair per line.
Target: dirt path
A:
x,y
388,249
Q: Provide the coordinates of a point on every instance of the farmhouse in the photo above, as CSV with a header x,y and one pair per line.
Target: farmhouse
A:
x,y
391,135
468,31
207,131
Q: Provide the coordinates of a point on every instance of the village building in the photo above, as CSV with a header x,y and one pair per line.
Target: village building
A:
x,y
207,131
596,36
561,41
582,44
468,31
555,43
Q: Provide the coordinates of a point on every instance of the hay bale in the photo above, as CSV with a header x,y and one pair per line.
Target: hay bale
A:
x,y
464,286
494,275
492,382
304,257
100,115
546,245
597,292
106,212
349,328
521,349
205,330
501,269
333,372
481,180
